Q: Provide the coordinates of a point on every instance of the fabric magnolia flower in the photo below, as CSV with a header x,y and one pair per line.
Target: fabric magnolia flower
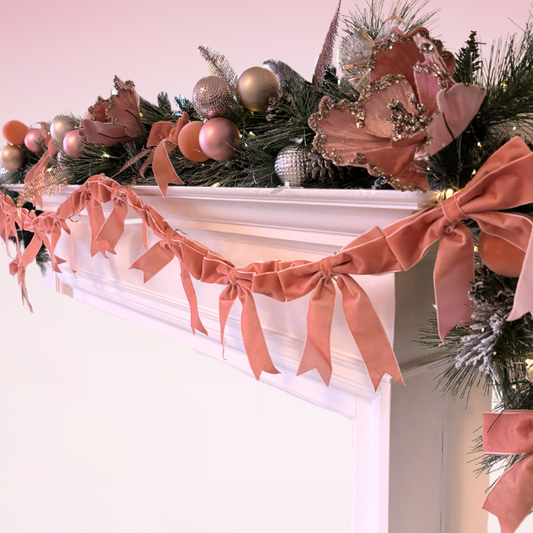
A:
x,y
115,120
410,110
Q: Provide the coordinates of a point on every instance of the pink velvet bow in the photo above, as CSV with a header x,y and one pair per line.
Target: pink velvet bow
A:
x,y
511,499
239,285
368,254
190,256
503,182
164,136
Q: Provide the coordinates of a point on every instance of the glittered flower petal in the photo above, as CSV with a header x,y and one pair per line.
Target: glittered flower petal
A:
x,y
458,105
103,133
124,108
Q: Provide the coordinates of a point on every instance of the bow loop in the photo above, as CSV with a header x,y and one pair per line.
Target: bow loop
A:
x,y
511,499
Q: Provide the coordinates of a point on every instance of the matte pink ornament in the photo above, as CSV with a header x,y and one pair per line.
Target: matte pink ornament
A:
x,y
72,143
32,139
219,138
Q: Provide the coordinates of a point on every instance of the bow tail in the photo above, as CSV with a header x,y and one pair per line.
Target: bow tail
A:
x,y
113,227
523,300
152,261
368,332
253,337
511,499
225,303
453,277
19,266
163,170
96,221
317,351
190,293
51,246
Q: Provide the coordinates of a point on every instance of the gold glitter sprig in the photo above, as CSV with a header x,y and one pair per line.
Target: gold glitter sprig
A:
x,y
50,181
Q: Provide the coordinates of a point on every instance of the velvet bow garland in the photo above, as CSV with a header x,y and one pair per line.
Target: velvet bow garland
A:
x,y
366,255
511,499
503,182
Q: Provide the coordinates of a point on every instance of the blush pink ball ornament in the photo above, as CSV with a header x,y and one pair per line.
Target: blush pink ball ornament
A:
x,y
32,140
219,138
72,143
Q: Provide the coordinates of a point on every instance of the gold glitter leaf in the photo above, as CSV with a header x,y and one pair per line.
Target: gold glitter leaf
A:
x,y
50,181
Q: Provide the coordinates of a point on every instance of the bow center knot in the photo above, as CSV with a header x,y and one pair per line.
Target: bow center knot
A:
x,y
14,267
232,276
326,267
452,212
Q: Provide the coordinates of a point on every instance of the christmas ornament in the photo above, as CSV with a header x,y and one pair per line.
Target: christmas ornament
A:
x,y
219,138
255,87
500,256
14,132
60,127
32,140
189,144
291,165
72,143
212,97
12,157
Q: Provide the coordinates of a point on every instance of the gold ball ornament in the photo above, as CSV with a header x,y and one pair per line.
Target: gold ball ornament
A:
x,y
255,87
12,157
500,256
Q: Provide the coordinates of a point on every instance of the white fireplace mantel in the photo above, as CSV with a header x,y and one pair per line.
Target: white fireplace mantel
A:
x,y
248,225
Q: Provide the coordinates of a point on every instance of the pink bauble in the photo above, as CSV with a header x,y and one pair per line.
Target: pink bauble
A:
x,y
72,143
188,142
32,139
14,132
219,138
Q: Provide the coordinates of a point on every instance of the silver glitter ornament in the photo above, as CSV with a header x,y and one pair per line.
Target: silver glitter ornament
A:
x,y
60,127
291,165
212,97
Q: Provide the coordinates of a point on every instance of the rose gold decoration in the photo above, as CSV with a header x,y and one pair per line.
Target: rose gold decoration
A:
x,y
12,157
219,138
500,256
14,132
411,108
325,58
255,87
189,144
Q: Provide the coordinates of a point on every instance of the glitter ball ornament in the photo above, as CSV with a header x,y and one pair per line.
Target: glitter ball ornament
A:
x,y
60,127
212,97
290,165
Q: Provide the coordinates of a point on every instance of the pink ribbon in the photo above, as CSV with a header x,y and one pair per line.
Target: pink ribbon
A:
x,y
368,254
501,183
190,258
165,138
511,499
238,281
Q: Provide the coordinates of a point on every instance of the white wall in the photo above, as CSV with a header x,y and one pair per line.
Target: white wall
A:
x,y
104,427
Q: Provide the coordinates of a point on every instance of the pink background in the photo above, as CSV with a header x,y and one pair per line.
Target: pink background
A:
x,y
92,408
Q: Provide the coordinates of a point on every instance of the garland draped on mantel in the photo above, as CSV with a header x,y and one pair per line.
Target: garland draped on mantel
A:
x,y
500,184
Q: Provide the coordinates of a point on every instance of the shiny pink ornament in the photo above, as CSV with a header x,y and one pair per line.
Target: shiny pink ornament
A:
x,y
72,143
32,140
219,138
